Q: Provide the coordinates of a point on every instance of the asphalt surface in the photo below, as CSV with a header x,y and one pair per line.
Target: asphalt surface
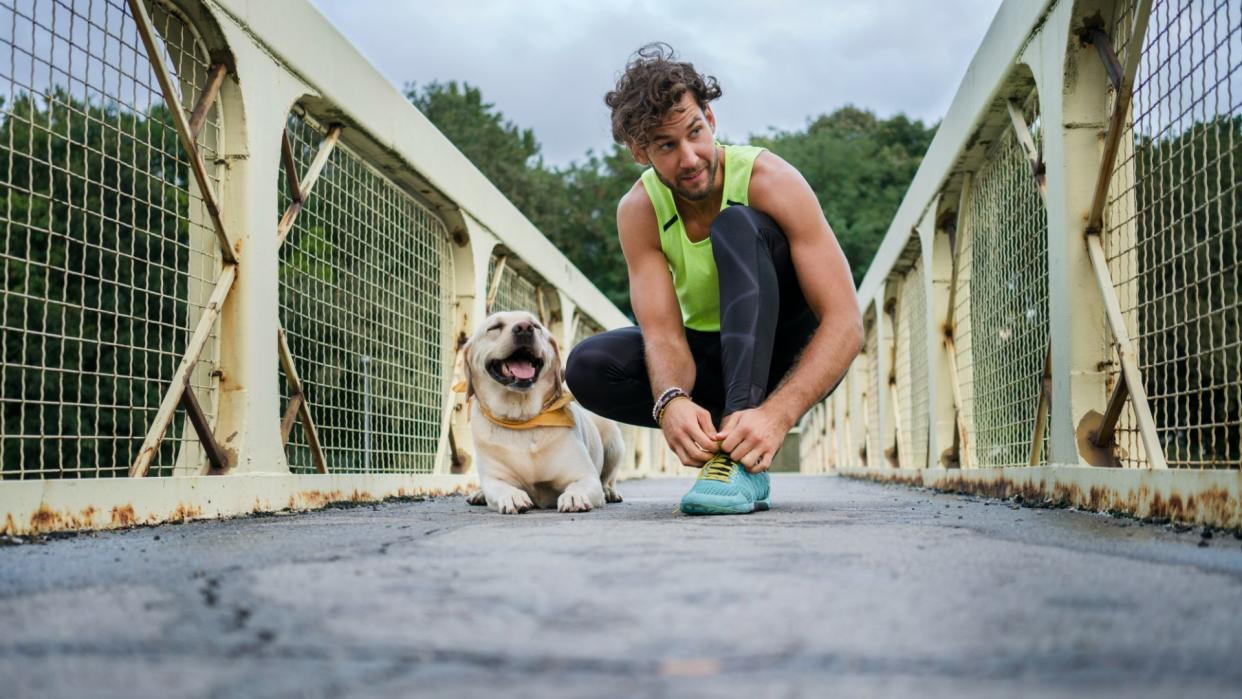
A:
x,y
845,589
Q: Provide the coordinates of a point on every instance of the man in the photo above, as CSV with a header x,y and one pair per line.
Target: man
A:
x,y
745,304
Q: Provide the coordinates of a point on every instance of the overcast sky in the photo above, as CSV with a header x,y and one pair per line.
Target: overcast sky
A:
x,y
546,64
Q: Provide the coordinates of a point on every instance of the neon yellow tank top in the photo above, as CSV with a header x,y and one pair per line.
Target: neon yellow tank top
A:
x,y
692,264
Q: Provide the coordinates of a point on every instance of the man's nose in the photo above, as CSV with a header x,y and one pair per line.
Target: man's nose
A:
x,y
689,159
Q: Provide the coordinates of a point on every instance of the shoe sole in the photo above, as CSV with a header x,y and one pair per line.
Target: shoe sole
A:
x,y
743,509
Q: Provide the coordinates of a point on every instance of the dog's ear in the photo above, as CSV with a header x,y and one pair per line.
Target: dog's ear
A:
x,y
558,369
464,378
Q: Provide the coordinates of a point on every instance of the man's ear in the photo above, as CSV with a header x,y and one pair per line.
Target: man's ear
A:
x,y
710,118
639,154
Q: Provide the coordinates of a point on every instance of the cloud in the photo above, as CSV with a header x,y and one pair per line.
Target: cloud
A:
x,y
546,64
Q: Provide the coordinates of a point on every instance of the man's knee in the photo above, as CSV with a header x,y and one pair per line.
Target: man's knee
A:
x,y
737,223
579,365
588,364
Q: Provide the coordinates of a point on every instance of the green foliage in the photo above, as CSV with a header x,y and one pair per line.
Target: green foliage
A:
x,y
575,206
858,165
94,212
1188,253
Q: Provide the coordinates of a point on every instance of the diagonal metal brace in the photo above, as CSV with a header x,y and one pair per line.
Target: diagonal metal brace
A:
x,y
299,405
184,132
181,379
1131,379
301,190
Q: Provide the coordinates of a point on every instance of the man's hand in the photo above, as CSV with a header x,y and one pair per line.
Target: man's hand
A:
x,y
688,428
752,437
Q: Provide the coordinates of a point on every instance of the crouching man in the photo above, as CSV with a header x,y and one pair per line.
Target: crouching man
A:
x,y
746,309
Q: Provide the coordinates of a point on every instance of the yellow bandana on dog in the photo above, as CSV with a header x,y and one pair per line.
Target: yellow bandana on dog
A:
x,y
554,414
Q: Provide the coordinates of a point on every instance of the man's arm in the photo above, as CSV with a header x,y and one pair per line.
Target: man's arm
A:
x,y
777,189
687,427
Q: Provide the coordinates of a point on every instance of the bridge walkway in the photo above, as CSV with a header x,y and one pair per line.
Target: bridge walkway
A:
x,y
846,588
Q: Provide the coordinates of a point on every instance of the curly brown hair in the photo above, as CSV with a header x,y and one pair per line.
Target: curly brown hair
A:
x,y
652,84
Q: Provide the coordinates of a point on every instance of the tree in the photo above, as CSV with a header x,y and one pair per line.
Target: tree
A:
x,y
95,211
859,167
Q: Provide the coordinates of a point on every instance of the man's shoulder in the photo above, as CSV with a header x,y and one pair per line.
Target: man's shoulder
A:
x,y
635,199
635,212
771,177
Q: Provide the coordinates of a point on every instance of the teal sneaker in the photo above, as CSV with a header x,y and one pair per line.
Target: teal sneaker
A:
x,y
725,487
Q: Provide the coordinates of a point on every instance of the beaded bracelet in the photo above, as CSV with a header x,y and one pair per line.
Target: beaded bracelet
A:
x,y
657,411
660,417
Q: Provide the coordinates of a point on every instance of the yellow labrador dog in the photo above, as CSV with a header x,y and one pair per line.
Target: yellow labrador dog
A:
x,y
533,446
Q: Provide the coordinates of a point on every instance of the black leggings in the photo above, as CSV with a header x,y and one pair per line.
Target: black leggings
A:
x,y
764,323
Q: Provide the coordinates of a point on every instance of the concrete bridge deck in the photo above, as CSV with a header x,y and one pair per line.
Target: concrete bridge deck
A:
x,y
848,588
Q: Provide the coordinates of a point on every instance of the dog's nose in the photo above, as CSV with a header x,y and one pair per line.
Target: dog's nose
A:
x,y
524,329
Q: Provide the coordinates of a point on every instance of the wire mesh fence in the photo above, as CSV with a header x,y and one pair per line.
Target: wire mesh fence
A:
x,y
1172,233
854,450
365,284
1008,304
962,242
912,367
584,327
868,366
108,252
514,291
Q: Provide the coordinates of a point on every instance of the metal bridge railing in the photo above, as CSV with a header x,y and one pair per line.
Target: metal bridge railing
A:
x,y
1172,238
1077,214
107,258
365,296
176,346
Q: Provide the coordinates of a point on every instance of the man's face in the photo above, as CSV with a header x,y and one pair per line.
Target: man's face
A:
x,y
682,150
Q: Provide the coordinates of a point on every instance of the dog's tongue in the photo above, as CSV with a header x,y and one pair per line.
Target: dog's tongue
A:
x,y
521,369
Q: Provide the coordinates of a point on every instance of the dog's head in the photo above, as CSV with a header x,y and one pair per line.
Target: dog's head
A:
x,y
512,360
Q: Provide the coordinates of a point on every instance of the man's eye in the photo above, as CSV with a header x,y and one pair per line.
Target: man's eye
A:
x,y
695,131
665,146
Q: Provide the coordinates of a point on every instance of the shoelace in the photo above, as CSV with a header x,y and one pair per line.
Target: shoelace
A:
x,y
718,468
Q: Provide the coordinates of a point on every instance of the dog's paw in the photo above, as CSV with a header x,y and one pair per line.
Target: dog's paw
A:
x,y
611,494
571,501
514,503
476,498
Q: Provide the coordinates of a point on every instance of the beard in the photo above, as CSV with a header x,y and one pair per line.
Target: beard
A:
x,y
693,195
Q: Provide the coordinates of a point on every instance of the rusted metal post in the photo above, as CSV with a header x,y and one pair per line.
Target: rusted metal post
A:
x,y
290,165
494,287
1130,372
1121,111
142,21
303,189
295,387
180,379
1108,425
215,454
290,417
1041,412
198,117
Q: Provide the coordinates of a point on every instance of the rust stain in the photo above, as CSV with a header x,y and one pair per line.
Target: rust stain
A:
x,y
44,520
1214,506
185,513
123,516
315,499
1084,435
